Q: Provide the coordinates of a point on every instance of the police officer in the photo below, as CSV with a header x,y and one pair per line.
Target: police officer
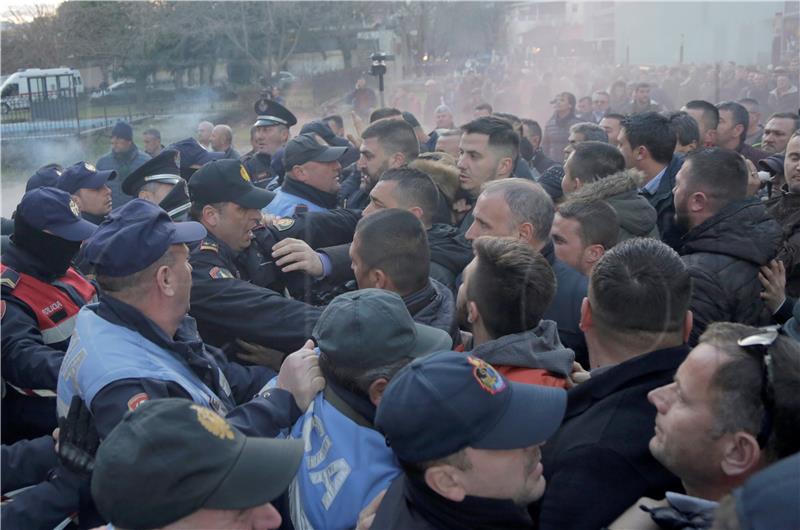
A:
x,y
89,189
312,179
228,305
192,156
158,180
269,134
138,343
41,296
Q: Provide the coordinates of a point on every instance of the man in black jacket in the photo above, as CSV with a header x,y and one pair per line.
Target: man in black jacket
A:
x,y
727,238
636,322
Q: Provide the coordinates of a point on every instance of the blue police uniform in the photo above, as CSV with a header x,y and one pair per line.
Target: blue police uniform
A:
x,y
285,203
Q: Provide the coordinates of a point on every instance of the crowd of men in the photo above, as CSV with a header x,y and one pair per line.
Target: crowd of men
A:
x,y
382,329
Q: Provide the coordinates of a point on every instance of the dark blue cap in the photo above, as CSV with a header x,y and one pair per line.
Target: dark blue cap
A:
x,y
45,176
443,402
161,168
53,210
304,148
194,154
319,127
134,237
768,500
122,130
83,175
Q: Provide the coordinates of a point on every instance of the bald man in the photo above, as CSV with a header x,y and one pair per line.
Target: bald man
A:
x,y
204,129
222,141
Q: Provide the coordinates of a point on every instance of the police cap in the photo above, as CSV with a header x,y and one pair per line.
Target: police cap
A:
x,y
45,176
53,210
304,148
164,168
273,113
227,181
83,175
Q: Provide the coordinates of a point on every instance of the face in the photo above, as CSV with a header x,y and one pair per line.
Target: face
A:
x,y
161,191
612,127
323,176
444,120
381,197
755,117
234,224
572,141
461,298
791,165
697,114
182,271
492,217
151,144
626,150
372,163
270,139
514,474
726,130
204,133
776,135
562,103
449,145
782,83
683,440
264,517
94,201
361,83
218,140
584,106
120,145
477,162
360,270
642,95
600,102
569,248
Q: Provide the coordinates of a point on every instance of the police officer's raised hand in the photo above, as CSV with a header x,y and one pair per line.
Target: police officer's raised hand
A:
x,y
77,438
296,255
300,374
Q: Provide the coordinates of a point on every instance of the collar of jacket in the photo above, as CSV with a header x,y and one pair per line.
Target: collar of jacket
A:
x,y
549,252
226,253
539,347
304,191
667,183
622,376
420,299
129,155
356,408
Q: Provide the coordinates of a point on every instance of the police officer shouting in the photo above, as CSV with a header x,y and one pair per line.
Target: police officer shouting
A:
x,y
42,295
226,301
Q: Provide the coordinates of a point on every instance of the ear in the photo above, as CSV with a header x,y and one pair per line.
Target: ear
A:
x,y
376,389
741,455
526,232
397,160
688,322
593,253
165,281
210,215
298,174
417,211
642,153
586,315
505,167
578,183
698,201
379,278
473,315
446,481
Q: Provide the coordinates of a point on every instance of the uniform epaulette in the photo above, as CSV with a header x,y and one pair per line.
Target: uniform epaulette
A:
x,y
209,245
9,279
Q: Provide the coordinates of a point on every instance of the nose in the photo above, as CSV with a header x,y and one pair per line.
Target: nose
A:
x,y
471,235
362,162
659,398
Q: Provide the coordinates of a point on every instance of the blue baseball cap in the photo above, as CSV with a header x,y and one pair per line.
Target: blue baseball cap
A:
x,y
134,237
768,500
45,176
83,175
52,210
441,403
193,154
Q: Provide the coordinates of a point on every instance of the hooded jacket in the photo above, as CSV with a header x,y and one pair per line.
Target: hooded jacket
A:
x,y
723,255
450,253
786,211
637,217
535,356
434,306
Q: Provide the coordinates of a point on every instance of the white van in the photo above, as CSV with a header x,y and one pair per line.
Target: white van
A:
x,y
53,82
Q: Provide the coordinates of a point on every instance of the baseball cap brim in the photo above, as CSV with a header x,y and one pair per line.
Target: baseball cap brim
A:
x,y
187,232
533,415
429,340
263,471
99,178
209,156
254,198
79,230
330,154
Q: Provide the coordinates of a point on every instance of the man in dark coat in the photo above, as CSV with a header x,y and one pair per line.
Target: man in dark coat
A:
x,y
727,238
123,158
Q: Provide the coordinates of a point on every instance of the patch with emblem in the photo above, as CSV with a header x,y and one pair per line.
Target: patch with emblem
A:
x,y
208,245
243,172
74,208
89,166
486,375
137,400
284,223
218,273
213,423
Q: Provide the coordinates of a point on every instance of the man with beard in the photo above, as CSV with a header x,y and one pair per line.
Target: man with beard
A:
x,y
387,144
732,131
42,295
727,237
123,158
777,131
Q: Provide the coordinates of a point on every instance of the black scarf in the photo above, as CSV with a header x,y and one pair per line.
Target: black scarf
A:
x,y
318,197
53,253
473,513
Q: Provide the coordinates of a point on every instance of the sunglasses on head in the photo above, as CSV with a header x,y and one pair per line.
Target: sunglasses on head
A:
x,y
758,345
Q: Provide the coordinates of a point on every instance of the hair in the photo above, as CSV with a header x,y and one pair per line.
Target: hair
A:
x,y
411,119
570,97
641,85
598,221
528,203
585,98
196,209
737,388
601,93
335,118
395,241
591,132
443,109
710,115
155,133
502,137
394,136
614,116
651,130
720,173
640,289
384,112
686,129
356,379
445,133
752,102
510,118
130,286
512,285
739,114
228,132
787,116
414,188
533,125
484,106
592,161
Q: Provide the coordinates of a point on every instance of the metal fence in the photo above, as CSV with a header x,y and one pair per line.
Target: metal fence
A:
x,y
48,107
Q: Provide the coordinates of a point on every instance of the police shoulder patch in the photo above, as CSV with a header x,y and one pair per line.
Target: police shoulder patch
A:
x,y
284,223
218,273
486,375
137,400
209,245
